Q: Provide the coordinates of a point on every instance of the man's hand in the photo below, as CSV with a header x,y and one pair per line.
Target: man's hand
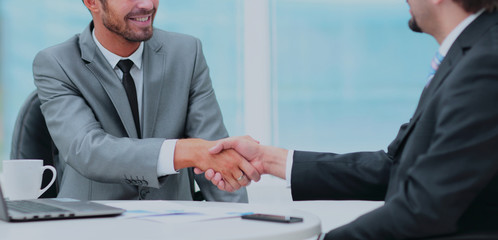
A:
x,y
266,159
233,167
247,147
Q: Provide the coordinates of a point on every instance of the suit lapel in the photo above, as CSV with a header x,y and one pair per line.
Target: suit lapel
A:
x,y
103,73
154,78
445,68
453,56
462,44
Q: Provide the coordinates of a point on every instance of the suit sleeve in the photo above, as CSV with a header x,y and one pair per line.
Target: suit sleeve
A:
x,y
461,161
205,121
326,176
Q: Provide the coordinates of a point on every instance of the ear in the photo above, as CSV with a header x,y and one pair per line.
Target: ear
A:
x,y
92,5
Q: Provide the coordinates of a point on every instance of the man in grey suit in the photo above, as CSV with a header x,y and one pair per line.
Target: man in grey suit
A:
x,y
439,177
117,96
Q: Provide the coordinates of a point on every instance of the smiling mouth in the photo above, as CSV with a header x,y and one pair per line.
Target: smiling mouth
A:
x,y
141,19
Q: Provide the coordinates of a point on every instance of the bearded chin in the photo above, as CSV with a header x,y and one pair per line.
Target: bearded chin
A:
x,y
126,33
138,37
414,26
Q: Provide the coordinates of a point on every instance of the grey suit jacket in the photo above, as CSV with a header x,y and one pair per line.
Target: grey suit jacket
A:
x,y
440,174
90,121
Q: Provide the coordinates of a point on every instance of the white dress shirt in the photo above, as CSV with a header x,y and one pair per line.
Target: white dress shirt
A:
x,y
451,38
165,164
443,49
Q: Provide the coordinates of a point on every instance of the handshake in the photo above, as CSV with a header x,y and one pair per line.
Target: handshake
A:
x,y
230,163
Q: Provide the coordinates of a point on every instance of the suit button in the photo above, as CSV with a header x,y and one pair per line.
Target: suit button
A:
x,y
143,193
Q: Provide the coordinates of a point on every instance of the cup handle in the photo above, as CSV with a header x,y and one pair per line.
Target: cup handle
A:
x,y
54,175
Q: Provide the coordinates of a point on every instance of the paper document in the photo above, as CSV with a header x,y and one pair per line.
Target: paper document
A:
x,y
171,212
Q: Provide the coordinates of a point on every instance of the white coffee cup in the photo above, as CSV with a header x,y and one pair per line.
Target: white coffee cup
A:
x,y
22,179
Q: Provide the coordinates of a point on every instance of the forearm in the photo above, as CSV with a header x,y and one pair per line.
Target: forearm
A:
x,y
358,176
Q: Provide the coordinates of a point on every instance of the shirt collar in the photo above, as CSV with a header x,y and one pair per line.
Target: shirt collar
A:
x,y
451,38
113,59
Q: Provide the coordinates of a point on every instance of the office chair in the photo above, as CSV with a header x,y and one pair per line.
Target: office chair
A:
x,y
31,140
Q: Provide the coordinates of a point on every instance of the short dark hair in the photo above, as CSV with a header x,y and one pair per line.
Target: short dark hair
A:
x,y
475,5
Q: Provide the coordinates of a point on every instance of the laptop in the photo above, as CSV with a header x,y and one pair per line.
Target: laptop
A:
x,y
54,208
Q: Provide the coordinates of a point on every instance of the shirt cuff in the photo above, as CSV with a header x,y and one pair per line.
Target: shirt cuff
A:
x,y
288,168
165,163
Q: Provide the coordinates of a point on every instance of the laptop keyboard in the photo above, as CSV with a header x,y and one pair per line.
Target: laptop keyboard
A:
x,y
32,207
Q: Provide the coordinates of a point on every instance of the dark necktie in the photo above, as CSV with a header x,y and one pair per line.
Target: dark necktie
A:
x,y
131,91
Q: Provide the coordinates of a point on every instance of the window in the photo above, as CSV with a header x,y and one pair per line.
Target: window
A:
x,y
347,73
322,75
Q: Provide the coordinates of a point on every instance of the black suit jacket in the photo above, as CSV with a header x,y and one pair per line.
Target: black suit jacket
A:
x,y
440,174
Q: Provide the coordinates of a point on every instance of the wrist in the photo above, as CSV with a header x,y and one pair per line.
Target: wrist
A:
x,y
273,160
189,153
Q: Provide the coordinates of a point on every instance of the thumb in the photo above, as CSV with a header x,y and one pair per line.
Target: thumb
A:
x,y
217,148
252,139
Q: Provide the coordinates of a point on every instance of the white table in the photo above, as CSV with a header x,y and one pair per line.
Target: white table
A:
x,y
334,214
122,228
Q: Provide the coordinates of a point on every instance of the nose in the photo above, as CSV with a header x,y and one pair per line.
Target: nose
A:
x,y
146,4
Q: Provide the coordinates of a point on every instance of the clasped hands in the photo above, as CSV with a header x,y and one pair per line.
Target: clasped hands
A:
x,y
230,163
247,161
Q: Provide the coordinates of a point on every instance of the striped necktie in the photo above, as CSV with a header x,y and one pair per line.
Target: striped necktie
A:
x,y
436,61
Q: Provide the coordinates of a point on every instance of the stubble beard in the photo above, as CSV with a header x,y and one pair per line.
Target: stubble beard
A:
x,y
124,30
412,23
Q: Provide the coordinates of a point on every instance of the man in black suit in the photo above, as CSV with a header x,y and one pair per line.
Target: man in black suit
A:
x,y
439,177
